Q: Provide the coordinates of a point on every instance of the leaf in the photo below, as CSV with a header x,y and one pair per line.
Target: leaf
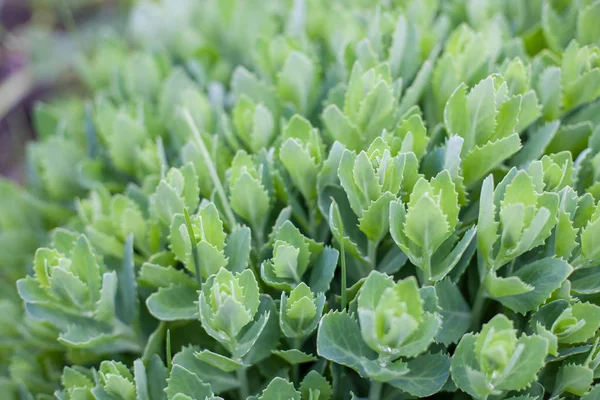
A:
x,y
141,380
463,363
294,356
250,200
455,312
225,364
183,381
426,225
574,379
218,380
483,159
127,296
374,222
348,348
280,389
174,303
527,365
585,281
314,386
440,269
159,276
269,335
86,267
544,276
323,270
427,374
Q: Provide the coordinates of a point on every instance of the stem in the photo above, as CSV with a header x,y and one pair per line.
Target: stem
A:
x,y
169,354
372,254
211,169
478,307
375,390
296,368
426,270
243,380
312,219
344,283
190,229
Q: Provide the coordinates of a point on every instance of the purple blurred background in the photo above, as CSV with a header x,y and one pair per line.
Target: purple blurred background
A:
x,y
38,40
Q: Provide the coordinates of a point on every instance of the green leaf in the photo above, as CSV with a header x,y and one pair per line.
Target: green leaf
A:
x,y
483,159
426,225
574,379
348,349
427,374
544,276
280,389
237,249
323,270
177,302
225,364
527,364
250,200
315,387
374,222
127,296
183,381
455,312
218,380
294,356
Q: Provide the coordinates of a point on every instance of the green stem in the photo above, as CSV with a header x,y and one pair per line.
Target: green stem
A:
x,y
344,283
296,368
312,219
211,169
169,354
190,229
372,254
375,390
243,381
478,307
426,270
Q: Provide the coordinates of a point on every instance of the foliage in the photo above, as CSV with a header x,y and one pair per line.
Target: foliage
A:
x,y
314,200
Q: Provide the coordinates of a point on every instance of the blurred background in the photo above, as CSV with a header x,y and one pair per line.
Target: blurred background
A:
x,y
39,43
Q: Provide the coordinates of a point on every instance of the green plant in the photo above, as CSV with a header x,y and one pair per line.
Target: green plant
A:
x,y
314,200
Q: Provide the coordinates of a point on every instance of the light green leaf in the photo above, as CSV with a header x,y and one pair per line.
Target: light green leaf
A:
x,y
294,356
544,276
280,389
177,302
219,361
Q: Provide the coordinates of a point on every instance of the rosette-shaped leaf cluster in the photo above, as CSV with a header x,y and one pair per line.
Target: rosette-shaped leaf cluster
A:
x,y
495,361
486,120
397,322
367,107
109,220
565,325
297,259
140,152
249,196
114,380
302,154
424,228
208,239
94,309
228,303
372,179
515,218
300,312
177,191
